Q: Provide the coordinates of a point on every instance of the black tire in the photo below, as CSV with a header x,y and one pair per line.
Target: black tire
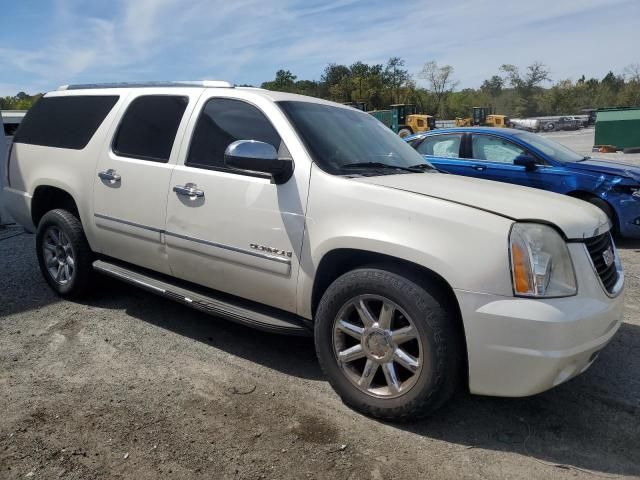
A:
x,y
608,211
439,374
550,127
80,280
404,132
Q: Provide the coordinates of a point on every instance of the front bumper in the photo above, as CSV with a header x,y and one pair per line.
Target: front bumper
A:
x,y
521,346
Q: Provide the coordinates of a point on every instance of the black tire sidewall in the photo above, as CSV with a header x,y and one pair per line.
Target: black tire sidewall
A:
x,y
428,317
72,228
608,211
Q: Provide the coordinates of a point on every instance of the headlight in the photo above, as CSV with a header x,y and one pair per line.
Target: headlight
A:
x,y
540,262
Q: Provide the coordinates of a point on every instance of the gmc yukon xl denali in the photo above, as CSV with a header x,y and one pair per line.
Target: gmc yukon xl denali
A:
x,y
296,215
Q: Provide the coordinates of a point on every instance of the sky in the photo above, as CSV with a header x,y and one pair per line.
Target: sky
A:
x,y
44,44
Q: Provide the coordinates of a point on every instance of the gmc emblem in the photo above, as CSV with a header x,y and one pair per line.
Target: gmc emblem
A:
x,y
607,256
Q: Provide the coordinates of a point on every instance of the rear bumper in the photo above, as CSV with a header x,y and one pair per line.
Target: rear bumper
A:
x,y
519,346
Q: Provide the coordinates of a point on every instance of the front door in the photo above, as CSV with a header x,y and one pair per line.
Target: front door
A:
x,y
236,232
133,174
494,156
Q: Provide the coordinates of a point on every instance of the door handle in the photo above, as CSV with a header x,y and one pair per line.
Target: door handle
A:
x,y
480,168
110,175
189,190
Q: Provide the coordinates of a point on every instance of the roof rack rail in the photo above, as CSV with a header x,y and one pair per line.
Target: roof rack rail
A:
x,y
174,83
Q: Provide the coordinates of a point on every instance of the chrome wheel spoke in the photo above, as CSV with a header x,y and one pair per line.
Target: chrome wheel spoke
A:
x,y
393,383
404,334
58,276
368,373
350,329
364,313
351,354
386,315
407,361
70,261
53,235
50,248
66,273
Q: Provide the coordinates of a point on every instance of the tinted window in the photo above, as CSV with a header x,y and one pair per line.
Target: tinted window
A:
x,y
64,122
494,149
441,146
222,122
149,127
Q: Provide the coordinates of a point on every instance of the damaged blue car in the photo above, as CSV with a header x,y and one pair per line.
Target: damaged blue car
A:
x,y
524,158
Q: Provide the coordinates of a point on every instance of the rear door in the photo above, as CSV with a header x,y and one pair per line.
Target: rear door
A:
x,y
133,174
444,151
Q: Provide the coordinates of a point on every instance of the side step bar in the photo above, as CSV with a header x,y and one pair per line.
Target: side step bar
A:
x,y
222,305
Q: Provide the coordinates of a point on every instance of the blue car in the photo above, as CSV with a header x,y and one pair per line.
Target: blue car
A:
x,y
524,158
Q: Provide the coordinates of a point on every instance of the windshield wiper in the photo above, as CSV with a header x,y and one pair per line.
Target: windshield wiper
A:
x,y
424,167
374,165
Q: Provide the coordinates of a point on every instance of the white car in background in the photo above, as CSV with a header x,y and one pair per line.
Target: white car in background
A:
x,y
297,215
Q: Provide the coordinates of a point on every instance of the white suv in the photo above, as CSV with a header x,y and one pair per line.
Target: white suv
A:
x,y
293,214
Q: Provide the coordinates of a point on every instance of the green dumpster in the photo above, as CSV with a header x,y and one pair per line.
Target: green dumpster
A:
x,y
619,127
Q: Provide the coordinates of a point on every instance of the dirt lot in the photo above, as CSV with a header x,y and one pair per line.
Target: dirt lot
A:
x,y
128,385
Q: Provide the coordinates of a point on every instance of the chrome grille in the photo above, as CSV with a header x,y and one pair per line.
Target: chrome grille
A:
x,y
599,248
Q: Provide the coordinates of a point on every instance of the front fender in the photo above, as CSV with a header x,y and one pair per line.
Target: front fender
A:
x,y
467,247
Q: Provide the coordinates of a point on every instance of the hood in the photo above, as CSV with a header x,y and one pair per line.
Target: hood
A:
x,y
577,219
608,167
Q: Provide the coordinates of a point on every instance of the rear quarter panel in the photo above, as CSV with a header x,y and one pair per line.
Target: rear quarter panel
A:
x,y
73,171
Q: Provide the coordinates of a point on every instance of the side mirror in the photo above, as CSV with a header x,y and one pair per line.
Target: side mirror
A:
x,y
526,161
255,156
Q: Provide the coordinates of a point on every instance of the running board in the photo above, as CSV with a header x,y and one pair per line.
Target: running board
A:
x,y
231,308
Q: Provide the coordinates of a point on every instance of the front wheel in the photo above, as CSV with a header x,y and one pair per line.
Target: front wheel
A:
x,y
386,344
64,255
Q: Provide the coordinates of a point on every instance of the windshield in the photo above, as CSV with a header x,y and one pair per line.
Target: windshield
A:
x,y
337,138
549,147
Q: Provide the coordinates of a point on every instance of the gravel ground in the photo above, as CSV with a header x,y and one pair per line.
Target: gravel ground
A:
x,y
129,385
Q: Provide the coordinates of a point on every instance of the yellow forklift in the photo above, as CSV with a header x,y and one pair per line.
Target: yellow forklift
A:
x,y
483,117
403,119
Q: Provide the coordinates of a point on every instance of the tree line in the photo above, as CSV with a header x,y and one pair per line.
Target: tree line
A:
x,y
511,91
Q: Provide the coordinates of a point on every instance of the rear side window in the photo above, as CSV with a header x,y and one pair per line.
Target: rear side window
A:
x,y
447,146
222,122
149,126
64,122
494,149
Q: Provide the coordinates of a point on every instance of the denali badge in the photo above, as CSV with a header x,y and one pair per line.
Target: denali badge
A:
x,y
274,251
607,256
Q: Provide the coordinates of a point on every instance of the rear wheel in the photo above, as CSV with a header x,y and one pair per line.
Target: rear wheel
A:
x,y
64,255
404,132
386,344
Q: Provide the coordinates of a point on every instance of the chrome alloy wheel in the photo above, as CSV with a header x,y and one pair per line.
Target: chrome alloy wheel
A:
x,y
377,346
58,255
